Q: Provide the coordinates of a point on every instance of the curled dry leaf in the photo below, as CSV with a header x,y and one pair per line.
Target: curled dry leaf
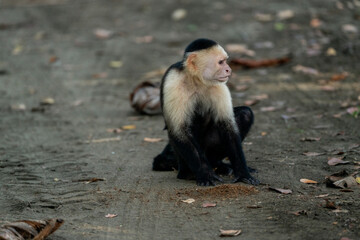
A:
x,y
114,130
189,200
240,49
104,140
103,33
152,140
208,204
251,102
145,98
47,101
179,14
336,161
330,204
312,154
300,212
308,181
285,14
268,109
322,195
281,190
229,233
109,215
128,127
305,70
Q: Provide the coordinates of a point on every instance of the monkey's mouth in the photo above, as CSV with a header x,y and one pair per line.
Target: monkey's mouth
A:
x,y
223,79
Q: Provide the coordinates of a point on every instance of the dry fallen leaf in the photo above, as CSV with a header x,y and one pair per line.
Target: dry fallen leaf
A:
x,y
251,102
152,140
109,215
179,14
116,64
285,14
322,196
331,52
281,190
229,233
114,130
240,49
340,211
330,205
128,127
189,200
47,101
339,77
358,180
312,154
268,109
104,140
144,39
208,204
18,107
308,181
305,70
103,33
328,88
315,23
349,29
336,161
298,213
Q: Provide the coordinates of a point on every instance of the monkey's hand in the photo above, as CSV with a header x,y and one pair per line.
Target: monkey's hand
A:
x,y
249,180
208,179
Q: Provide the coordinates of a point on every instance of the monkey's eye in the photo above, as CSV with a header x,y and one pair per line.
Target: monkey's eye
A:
x,y
221,62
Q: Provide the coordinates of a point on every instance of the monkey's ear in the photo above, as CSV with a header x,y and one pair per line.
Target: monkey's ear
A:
x,y
191,61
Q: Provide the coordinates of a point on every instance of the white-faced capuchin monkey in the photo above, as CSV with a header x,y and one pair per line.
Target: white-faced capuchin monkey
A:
x,y
203,127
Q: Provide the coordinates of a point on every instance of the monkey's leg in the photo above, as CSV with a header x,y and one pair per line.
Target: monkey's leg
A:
x,y
192,159
166,160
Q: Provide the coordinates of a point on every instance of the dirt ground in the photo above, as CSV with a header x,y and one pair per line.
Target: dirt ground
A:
x,y
50,154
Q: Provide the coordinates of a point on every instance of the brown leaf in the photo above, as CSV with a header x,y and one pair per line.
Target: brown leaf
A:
x,y
308,181
310,139
336,161
254,206
330,205
208,204
312,154
300,212
152,140
101,75
109,215
315,23
339,77
250,63
281,190
53,59
251,102
229,233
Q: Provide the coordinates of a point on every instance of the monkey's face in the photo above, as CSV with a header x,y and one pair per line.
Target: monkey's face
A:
x,y
216,69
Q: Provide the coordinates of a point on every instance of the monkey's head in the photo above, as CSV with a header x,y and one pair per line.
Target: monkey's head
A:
x,y
207,60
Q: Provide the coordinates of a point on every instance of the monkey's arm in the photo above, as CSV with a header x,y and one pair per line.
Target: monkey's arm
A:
x,y
190,154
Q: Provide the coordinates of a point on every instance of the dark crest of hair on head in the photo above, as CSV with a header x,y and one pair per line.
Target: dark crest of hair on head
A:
x,y
200,44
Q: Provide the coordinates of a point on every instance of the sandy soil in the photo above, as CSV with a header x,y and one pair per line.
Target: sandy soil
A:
x,y
47,152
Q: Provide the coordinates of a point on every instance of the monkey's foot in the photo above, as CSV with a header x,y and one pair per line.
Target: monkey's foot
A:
x,y
249,180
208,180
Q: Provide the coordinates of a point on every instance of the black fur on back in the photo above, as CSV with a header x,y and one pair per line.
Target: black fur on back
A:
x,y
200,44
